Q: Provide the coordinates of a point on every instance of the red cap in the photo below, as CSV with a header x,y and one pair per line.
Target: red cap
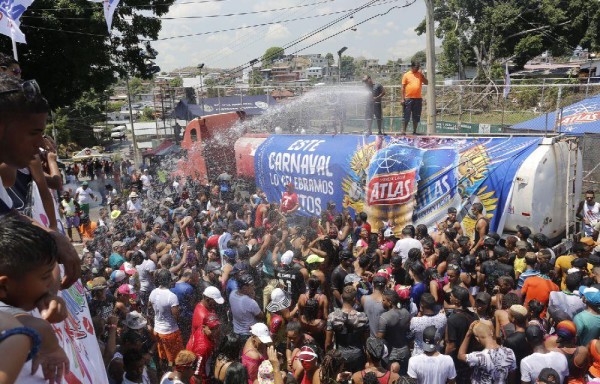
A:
x,y
403,292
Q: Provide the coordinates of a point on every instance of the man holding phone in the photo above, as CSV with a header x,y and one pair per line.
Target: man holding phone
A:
x,y
412,100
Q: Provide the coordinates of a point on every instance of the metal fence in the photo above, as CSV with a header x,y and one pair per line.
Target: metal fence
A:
x,y
461,107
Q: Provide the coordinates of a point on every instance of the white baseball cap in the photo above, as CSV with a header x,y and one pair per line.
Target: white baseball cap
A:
x,y
214,293
261,331
286,258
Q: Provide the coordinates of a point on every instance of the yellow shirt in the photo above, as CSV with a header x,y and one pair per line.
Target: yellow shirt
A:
x,y
412,84
520,264
564,262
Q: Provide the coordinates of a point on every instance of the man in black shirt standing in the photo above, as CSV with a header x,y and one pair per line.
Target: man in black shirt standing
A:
x,y
517,314
290,278
339,274
373,105
393,327
458,324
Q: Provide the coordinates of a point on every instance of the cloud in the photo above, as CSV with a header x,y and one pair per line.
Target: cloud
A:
x,y
406,48
277,32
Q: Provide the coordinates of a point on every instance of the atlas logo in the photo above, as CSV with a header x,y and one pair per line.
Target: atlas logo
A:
x,y
390,189
581,118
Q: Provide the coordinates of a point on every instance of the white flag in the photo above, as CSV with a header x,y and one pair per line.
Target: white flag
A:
x,y
109,10
10,13
506,81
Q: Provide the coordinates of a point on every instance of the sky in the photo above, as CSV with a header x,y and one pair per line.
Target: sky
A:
x,y
386,37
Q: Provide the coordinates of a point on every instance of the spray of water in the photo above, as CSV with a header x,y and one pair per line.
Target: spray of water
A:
x,y
325,109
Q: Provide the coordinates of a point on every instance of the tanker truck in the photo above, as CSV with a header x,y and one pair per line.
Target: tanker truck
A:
x,y
528,181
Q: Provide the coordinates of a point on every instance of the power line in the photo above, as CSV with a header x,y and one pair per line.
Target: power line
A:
x,y
199,16
309,35
253,36
248,65
136,6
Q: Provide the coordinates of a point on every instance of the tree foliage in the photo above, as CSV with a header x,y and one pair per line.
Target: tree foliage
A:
x,y
485,33
69,51
272,54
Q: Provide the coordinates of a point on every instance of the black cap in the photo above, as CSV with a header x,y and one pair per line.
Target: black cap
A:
x,y
213,267
396,261
375,347
430,339
579,262
452,210
594,260
346,255
489,242
534,334
548,376
524,230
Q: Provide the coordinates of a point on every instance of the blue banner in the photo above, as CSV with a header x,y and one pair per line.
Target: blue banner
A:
x,y
396,180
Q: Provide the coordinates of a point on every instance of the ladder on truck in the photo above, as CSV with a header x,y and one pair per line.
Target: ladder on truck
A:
x,y
573,178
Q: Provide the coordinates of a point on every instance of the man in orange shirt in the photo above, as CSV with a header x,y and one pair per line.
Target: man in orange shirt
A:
x,y
412,85
87,227
539,287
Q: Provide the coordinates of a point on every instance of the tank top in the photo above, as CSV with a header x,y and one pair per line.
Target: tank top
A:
x,y
487,229
576,373
251,366
373,309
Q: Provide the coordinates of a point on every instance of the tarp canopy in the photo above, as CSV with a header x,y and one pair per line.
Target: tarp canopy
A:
x,y
163,149
576,119
252,105
88,153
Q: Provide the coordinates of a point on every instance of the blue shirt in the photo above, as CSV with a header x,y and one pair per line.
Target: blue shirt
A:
x,y
526,273
185,295
416,292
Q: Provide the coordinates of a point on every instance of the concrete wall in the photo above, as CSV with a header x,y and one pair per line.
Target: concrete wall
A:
x,y
591,161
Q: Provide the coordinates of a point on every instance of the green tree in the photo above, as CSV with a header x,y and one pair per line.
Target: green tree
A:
x,y
147,114
69,51
75,123
330,59
348,67
485,33
419,57
272,54
136,86
176,82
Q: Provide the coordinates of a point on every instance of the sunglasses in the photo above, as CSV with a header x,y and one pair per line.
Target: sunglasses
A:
x,y
30,89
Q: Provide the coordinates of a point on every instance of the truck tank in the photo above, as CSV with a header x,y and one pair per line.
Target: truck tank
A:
x,y
540,190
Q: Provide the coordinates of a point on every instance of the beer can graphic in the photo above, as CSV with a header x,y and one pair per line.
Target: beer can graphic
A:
x,y
437,185
392,180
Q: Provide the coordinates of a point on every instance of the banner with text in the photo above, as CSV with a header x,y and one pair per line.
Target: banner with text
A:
x,y
396,180
76,334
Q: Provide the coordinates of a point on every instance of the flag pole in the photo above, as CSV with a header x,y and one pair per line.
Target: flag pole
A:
x,y
14,43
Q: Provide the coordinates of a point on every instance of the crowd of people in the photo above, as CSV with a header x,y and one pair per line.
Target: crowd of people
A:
x,y
212,285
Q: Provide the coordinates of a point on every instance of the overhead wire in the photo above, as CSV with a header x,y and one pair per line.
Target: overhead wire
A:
x,y
199,16
253,36
408,3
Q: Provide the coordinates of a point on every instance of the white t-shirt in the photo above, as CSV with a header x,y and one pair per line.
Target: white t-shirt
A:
x,y
146,180
165,379
244,311
145,270
84,195
532,365
162,301
4,196
592,214
431,369
134,207
404,245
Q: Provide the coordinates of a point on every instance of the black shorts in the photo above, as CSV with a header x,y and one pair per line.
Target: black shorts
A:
x,y
374,109
413,107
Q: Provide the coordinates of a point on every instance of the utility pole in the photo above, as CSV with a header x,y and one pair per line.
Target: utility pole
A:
x,y
430,52
136,156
